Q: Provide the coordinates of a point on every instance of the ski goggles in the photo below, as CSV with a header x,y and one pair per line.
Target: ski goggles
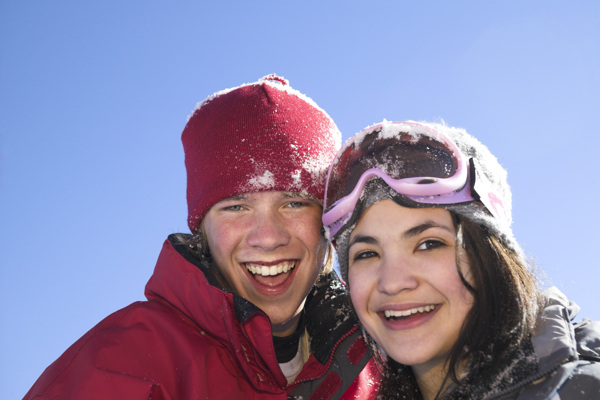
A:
x,y
416,161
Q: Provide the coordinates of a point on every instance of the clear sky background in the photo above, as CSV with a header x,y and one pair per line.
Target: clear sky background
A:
x,y
94,96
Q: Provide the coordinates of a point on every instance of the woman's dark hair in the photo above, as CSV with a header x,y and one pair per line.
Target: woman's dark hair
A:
x,y
506,301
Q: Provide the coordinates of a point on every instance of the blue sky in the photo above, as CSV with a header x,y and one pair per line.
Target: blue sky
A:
x,y
94,96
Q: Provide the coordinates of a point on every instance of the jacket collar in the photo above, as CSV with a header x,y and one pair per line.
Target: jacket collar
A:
x,y
533,366
184,282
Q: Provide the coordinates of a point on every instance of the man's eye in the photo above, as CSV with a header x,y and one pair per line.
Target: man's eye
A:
x,y
430,245
296,204
236,207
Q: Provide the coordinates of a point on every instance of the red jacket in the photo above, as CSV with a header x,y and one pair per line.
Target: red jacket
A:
x,y
194,340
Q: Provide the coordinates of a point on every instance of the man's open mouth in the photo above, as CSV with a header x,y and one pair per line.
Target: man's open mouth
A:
x,y
270,270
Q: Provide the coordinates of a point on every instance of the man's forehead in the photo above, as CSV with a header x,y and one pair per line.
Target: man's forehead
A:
x,y
276,193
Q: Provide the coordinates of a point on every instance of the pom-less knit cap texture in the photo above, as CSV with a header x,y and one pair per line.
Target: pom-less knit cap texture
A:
x,y
257,137
485,163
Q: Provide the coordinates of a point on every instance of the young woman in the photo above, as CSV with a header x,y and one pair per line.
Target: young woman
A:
x,y
420,215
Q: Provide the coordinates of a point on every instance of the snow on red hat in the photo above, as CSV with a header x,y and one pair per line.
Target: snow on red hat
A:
x,y
257,137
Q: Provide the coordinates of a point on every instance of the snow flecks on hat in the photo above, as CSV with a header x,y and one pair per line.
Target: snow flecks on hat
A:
x,y
256,137
260,182
485,163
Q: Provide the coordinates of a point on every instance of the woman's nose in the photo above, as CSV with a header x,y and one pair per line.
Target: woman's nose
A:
x,y
395,275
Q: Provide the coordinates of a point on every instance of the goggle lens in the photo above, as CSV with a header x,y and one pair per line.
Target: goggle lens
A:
x,y
404,156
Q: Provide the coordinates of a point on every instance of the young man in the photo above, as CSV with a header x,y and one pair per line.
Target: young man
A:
x,y
247,307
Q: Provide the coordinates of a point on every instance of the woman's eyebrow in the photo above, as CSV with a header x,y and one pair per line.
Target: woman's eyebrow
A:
x,y
362,239
414,231
423,227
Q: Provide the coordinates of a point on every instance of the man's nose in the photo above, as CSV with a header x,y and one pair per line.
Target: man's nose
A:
x,y
268,231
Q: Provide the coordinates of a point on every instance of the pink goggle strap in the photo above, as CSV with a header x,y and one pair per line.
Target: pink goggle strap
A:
x,y
423,189
435,191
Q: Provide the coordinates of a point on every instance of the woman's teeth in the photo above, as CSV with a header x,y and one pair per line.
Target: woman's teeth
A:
x,y
264,270
406,313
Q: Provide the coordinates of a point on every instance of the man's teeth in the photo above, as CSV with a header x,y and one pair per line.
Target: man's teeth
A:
x,y
264,270
406,313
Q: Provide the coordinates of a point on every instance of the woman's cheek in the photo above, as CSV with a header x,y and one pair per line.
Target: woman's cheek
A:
x,y
357,290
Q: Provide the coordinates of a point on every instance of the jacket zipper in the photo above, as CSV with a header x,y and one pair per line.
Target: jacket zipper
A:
x,y
329,361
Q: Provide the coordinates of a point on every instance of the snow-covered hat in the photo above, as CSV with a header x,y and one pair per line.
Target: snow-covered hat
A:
x,y
487,168
257,137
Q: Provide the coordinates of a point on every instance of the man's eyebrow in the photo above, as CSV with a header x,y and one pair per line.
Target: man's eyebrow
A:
x,y
298,195
233,198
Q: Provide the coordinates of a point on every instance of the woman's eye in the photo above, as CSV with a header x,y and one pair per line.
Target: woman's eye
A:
x,y
364,255
430,245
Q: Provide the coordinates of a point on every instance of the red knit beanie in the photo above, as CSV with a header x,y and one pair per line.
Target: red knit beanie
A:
x,y
262,136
